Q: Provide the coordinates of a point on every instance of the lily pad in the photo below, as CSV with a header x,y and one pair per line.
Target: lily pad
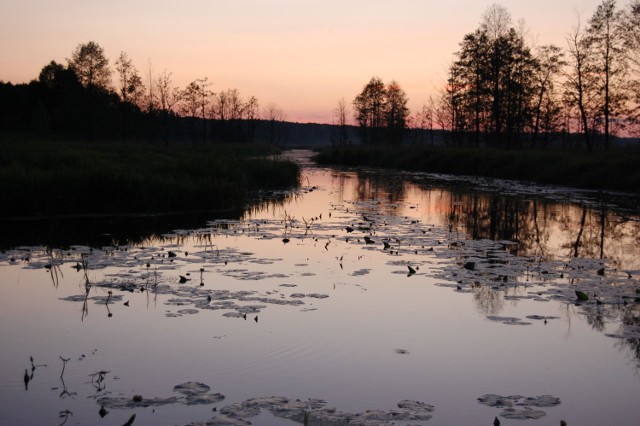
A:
x,y
507,320
192,388
524,413
131,402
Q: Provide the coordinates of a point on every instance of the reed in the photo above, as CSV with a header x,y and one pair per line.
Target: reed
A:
x,y
45,177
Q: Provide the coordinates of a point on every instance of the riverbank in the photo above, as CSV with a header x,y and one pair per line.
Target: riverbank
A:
x,y
45,177
615,171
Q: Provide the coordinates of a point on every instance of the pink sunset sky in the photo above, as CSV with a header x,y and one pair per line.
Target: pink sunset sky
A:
x,y
303,55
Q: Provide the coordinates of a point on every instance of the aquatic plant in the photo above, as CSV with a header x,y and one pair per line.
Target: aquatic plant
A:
x,y
582,296
54,177
65,414
53,266
65,392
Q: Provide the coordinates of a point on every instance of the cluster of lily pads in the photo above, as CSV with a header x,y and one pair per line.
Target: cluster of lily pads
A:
x,y
465,265
518,407
316,411
410,247
310,411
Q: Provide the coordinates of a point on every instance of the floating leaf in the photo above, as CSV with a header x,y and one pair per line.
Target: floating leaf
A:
x,y
470,266
581,295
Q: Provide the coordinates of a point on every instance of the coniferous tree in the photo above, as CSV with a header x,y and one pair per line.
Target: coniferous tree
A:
x,y
491,83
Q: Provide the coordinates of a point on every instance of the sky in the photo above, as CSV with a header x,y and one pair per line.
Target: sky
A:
x,y
302,55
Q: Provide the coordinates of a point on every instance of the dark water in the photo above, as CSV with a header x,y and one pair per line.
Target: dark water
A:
x,y
490,307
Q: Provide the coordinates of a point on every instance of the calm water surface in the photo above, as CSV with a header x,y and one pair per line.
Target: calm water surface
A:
x,y
490,308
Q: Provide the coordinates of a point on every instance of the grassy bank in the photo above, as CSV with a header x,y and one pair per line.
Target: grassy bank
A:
x,y
46,177
617,170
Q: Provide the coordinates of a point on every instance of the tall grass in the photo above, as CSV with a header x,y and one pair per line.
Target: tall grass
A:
x,y
616,170
51,177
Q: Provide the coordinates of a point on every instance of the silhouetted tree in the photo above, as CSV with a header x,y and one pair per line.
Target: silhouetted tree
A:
x,y
550,61
496,21
396,113
340,134
469,81
276,130
51,73
230,112
62,93
168,97
150,98
491,84
252,115
424,121
631,33
579,84
195,99
130,86
370,108
608,63
91,66
131,90
381,112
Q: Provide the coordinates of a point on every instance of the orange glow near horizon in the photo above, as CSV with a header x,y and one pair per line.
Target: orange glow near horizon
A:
x,y
302,56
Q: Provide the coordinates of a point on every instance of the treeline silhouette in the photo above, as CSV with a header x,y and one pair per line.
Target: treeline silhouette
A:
x,y
77,101
502,91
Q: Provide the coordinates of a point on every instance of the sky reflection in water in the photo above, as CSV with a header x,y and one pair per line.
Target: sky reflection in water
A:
x,y
378,338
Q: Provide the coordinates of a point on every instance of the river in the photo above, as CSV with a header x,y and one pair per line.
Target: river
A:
x,y
368,296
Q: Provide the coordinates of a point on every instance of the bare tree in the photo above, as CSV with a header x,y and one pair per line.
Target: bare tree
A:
x,y
550,62
496,21
168,95
340,122
276,129
236,105
579,85
168,98
427,118
151,97
631,21
130,86
631,33
605,41
252,115
195,99
220,106
229,109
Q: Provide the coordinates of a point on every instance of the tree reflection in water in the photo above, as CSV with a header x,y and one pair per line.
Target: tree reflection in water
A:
x,y
546,228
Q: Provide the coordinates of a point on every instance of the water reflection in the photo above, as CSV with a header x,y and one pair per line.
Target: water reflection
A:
x,y
326,296
543,227
99,231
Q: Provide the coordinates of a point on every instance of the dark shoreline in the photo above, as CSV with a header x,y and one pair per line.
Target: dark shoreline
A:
x,y
54,179
609,171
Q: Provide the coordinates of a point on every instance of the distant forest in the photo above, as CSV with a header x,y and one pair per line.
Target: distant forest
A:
x,y
502,91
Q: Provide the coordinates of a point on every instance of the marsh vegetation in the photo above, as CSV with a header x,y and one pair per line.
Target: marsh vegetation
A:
x,y
48,177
